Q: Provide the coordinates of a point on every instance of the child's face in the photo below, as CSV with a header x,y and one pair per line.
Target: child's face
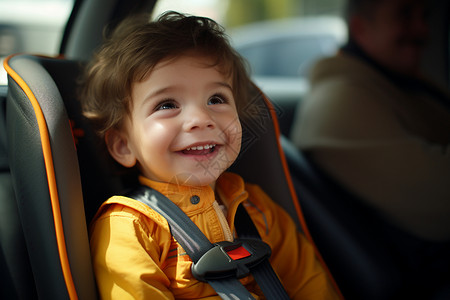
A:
x,y
184,125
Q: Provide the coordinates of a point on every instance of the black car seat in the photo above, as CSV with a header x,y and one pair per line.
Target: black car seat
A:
x,y
14,263
350,235
46,177
359,244
60,178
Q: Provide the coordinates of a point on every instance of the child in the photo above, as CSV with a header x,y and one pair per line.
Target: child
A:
x,y
165,96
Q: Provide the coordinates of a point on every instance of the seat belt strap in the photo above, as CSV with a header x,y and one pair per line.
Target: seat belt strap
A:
x,y
189,236
265,276
198,247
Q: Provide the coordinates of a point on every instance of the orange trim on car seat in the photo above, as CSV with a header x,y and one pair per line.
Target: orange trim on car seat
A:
x,y
294,195
48,160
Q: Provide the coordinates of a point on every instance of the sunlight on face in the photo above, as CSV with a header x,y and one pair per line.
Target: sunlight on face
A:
x,y
184,124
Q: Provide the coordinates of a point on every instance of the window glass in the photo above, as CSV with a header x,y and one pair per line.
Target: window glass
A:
x,y
32,26
234,13
281,39
214,9
286,56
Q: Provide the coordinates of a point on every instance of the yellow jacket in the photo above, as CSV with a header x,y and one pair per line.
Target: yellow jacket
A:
x,y
135,256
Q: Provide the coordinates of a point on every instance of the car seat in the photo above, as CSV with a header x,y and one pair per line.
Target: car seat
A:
x,y
344,230
14,263
60,176
358,243
46,177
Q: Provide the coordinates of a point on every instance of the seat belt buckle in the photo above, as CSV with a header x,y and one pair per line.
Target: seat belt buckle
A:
x,y
230,259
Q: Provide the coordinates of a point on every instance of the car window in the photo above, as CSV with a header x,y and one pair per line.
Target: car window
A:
x,y
285,56
287,47
280,39
32,26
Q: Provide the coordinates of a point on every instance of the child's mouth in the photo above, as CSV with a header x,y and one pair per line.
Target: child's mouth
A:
x,y
200,150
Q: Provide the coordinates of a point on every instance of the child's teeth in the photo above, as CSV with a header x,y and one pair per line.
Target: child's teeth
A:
x,y
206,147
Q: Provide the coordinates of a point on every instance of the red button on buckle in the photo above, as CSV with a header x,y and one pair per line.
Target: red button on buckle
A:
x,y
238,253
230,259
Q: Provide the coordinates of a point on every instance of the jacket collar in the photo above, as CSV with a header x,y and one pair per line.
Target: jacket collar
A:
x,y
230,188
411,83
353,49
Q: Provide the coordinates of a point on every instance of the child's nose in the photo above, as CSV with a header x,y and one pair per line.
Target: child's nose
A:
x,y
198,118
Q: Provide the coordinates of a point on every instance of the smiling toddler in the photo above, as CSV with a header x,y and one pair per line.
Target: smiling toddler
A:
x,y
165,96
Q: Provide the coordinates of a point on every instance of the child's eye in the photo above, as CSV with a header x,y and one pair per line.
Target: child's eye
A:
x,y
217,99
166,104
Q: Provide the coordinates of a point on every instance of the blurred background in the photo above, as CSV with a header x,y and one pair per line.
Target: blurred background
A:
x,y
279,38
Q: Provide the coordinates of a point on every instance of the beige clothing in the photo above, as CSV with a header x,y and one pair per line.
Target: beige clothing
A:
x,y
391,147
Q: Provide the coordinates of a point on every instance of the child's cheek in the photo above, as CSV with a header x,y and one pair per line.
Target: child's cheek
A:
x,y
234,135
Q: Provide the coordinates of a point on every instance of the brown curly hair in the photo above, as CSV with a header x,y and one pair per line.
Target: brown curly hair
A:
x,y
135,48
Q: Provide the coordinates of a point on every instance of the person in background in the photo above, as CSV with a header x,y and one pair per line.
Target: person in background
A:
x,y
375,124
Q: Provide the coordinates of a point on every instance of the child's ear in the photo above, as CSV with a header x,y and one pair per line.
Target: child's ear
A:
x,y
117,144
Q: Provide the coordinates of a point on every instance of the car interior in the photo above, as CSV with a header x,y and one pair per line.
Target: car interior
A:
x,y
54,175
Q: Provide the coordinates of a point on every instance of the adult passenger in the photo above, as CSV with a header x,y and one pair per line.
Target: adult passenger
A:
x,y
374,123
